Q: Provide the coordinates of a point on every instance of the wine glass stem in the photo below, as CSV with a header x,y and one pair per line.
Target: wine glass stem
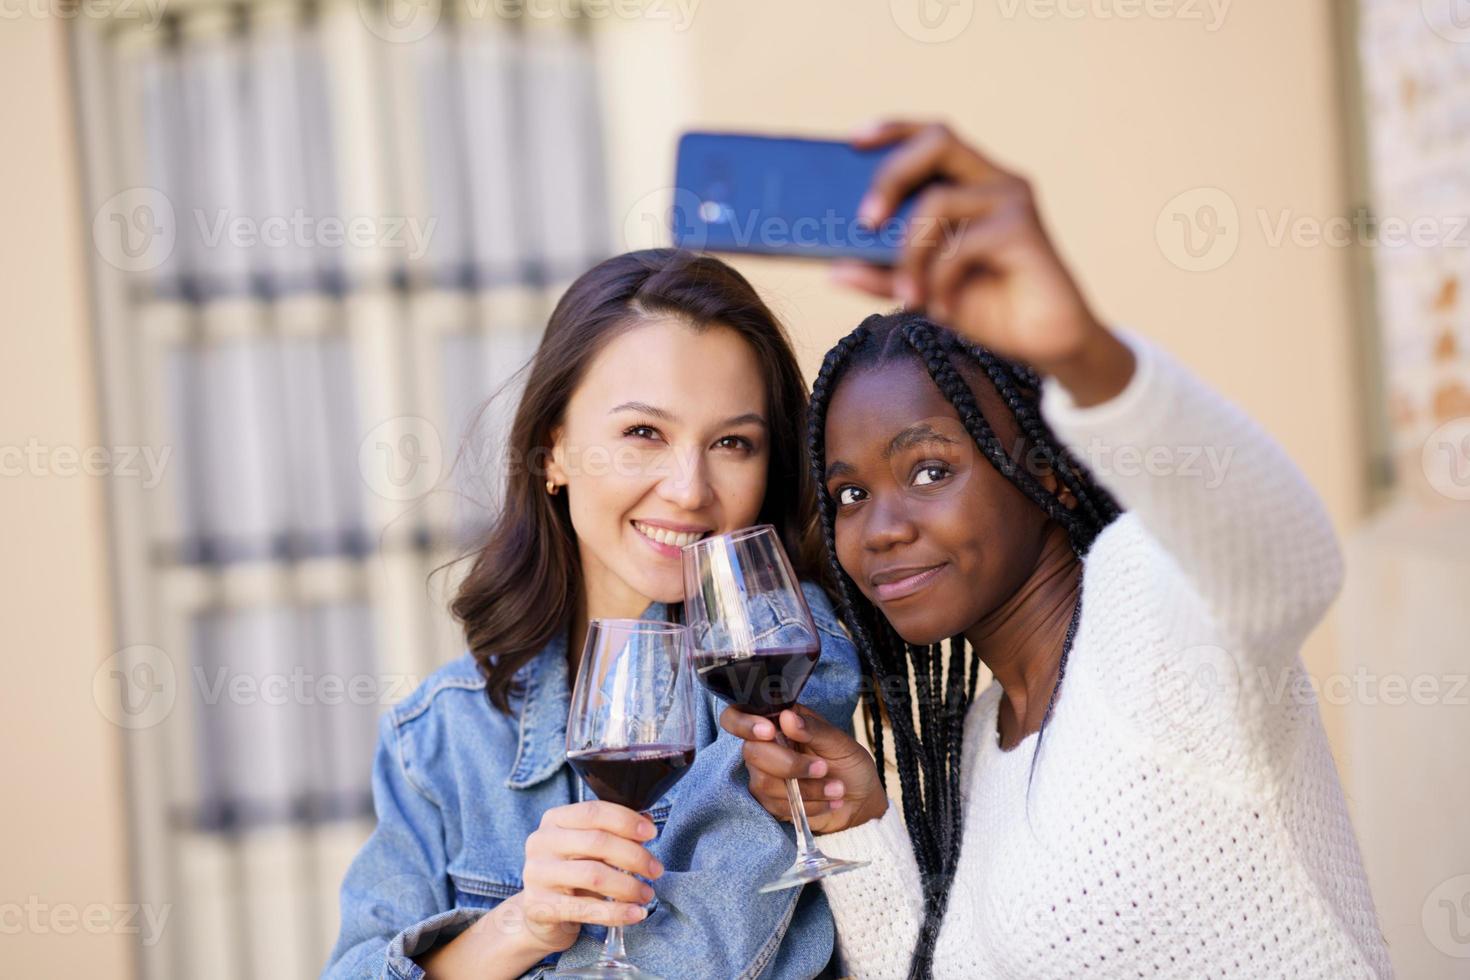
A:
x,y
612,947
805,844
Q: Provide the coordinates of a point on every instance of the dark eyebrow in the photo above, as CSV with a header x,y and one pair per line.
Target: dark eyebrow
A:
x,y
749,418
918,434
645,409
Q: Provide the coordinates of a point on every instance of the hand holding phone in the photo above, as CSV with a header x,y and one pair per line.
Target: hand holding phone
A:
x,y
990,271
970,250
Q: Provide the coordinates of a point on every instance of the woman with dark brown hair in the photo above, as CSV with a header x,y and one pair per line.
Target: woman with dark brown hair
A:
x,y
663,405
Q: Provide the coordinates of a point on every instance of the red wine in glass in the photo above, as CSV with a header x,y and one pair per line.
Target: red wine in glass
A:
x,y
755,645
630,733
635,778
764,683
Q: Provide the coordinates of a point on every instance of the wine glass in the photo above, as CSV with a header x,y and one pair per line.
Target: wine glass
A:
x,y
755,645
630,731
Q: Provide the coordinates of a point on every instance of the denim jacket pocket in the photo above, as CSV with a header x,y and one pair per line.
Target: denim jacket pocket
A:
x,y
480,889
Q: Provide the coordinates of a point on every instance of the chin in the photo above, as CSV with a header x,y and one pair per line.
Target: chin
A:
x,y
921,626
662,587
920,634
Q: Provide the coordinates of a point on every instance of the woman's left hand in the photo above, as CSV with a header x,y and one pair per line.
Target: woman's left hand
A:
x,y
838,781
979,260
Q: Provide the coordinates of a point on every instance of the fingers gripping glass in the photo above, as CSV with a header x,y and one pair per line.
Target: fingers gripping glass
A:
x,y
755,645
630,731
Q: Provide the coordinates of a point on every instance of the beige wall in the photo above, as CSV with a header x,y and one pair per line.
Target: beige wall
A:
x,y
63,817
1112,119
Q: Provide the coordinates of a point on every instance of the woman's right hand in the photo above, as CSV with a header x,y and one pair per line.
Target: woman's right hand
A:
x,y
575,860
838,778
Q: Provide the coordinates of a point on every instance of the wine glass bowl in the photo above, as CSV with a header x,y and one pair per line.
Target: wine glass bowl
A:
x,y
630,731
755,645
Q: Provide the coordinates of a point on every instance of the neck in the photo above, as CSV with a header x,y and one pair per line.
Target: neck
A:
x,y
1022,640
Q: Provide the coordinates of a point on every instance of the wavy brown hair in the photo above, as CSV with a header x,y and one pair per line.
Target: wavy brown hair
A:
x,y
523,585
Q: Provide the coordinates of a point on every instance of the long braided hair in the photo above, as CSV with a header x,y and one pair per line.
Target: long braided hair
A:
x,y
928,751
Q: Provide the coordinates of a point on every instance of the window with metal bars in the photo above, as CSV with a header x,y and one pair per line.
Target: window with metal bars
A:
x,y
324,238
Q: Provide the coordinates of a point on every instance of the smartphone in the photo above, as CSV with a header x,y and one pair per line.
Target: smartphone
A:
x,y
736,192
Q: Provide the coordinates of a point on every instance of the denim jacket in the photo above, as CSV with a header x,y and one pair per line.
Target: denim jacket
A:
x,y
458,787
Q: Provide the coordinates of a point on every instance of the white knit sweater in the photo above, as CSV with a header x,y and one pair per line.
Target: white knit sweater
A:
x,y
1185,819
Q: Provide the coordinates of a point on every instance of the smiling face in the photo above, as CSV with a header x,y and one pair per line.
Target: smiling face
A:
x,y
664,441
933,535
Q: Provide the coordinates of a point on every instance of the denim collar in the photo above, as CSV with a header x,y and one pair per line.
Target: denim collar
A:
x,y
545,701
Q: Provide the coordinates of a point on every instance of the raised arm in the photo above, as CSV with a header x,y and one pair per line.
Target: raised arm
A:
x,y
1216,492
1212,488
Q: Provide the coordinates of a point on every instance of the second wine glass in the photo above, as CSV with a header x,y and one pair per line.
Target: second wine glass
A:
x,y
755,645
630,732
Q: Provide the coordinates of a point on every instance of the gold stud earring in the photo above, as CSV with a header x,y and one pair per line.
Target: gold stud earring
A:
x,y
551,487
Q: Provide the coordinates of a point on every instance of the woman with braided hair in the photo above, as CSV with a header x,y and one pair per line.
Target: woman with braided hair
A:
x,y
1004,480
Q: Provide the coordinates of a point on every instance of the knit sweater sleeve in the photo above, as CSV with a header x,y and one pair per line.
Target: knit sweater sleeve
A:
x,y
877,909
1217,493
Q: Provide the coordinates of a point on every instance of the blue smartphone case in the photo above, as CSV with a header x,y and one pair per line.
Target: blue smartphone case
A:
x,y
779,196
